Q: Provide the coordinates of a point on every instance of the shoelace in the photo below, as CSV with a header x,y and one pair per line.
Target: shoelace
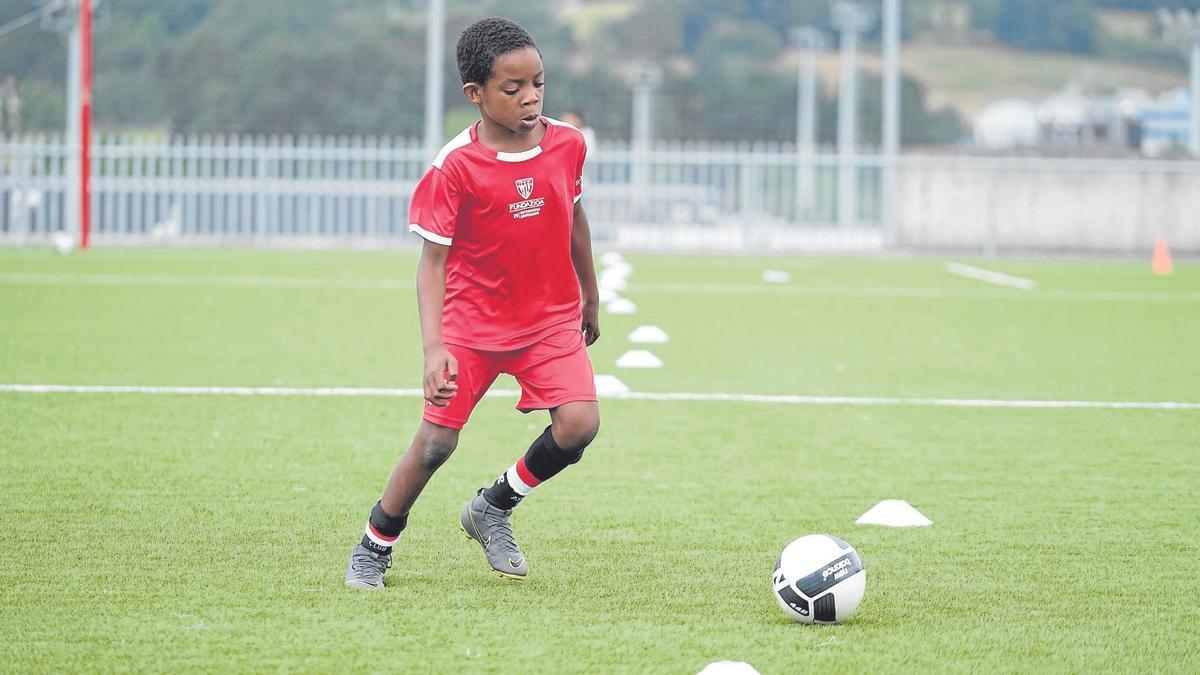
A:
x,y
378,564
501,531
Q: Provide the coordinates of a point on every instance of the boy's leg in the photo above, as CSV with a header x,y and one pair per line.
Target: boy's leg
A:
x,y
431,447
572,427
486,518
556,375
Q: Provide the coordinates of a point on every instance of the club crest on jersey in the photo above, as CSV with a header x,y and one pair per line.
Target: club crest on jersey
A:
x,y
526,208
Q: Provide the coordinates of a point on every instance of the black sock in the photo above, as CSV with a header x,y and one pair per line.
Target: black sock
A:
x,y
501,495
540,463
382,530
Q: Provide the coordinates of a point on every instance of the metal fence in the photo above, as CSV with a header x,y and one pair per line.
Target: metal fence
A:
x,y
342,191
215,187
326,191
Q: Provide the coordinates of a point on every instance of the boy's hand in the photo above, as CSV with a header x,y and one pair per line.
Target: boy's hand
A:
x,y
591,322
441,371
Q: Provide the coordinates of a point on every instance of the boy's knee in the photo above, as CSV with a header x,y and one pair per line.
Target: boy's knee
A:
x,y
573,433
436,445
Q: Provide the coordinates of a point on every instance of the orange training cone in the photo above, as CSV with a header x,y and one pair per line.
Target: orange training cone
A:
x,y
1161,263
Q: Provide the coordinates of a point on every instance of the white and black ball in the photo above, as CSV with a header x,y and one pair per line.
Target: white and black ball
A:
x,y
819,579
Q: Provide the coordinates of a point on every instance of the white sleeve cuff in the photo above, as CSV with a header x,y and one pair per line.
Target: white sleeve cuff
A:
x,y
578,197
429,236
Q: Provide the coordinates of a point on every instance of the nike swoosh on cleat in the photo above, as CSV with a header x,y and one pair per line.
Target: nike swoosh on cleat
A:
x,y
486,541
516,563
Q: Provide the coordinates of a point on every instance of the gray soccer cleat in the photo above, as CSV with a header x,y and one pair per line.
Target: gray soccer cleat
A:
x,y
366,568
489,526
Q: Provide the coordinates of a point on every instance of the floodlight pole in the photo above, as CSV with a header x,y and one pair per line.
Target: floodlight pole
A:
x,y
646,81
850,19
808,41
75,206
847,131
1194,130
891,115
435,30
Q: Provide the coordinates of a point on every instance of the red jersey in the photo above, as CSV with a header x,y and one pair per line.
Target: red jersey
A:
x,y
507,219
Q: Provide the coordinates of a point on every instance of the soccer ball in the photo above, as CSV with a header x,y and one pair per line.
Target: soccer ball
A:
x,y
819,579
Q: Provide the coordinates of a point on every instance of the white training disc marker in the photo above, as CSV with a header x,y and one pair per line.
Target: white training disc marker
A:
x,y
612,258
607,295
639,358
612,282
776,276
728,668
894,513
622,306
651,335
621,269
607,385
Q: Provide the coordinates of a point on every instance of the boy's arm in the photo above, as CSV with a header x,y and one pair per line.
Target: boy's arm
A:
x,y
585,269
441,368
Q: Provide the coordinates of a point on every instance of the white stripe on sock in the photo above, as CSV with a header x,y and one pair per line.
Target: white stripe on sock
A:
x,y
514,481
382,542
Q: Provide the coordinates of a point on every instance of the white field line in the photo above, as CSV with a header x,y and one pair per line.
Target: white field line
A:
x,y
637,396
393,284
914,293
108,279
998,278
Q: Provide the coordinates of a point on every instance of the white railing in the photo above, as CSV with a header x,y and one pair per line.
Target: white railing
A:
x,y
740,197
730,197
342,191
216,187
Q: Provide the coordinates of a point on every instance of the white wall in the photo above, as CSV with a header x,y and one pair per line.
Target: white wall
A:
x,y
1047,205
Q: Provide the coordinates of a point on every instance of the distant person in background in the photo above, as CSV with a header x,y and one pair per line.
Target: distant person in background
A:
x,y
575,119
505,284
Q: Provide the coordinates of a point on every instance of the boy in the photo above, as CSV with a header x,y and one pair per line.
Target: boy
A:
x,y
505,283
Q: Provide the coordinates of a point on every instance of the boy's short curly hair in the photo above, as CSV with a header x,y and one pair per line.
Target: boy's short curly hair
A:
x,y
485,40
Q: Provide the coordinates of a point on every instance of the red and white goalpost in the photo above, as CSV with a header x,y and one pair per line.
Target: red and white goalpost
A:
x,y
85,121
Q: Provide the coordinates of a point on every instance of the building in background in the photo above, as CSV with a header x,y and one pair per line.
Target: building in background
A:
x,y
1008,124
1164,123
1072,122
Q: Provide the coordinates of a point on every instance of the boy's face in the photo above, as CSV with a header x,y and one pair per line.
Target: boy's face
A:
x,y
512,96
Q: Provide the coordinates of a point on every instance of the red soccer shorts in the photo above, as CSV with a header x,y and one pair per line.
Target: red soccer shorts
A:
x,y
553,371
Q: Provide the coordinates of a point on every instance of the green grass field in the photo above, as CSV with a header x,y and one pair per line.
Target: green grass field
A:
x,y
156,532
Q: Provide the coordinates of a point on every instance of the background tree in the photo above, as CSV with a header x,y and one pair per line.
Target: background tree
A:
x,y
358,66
1067,25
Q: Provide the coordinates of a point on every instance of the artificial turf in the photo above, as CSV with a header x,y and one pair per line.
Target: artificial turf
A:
x,y
157,532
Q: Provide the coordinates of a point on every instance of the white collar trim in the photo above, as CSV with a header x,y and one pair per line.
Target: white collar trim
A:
x,y
519,156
